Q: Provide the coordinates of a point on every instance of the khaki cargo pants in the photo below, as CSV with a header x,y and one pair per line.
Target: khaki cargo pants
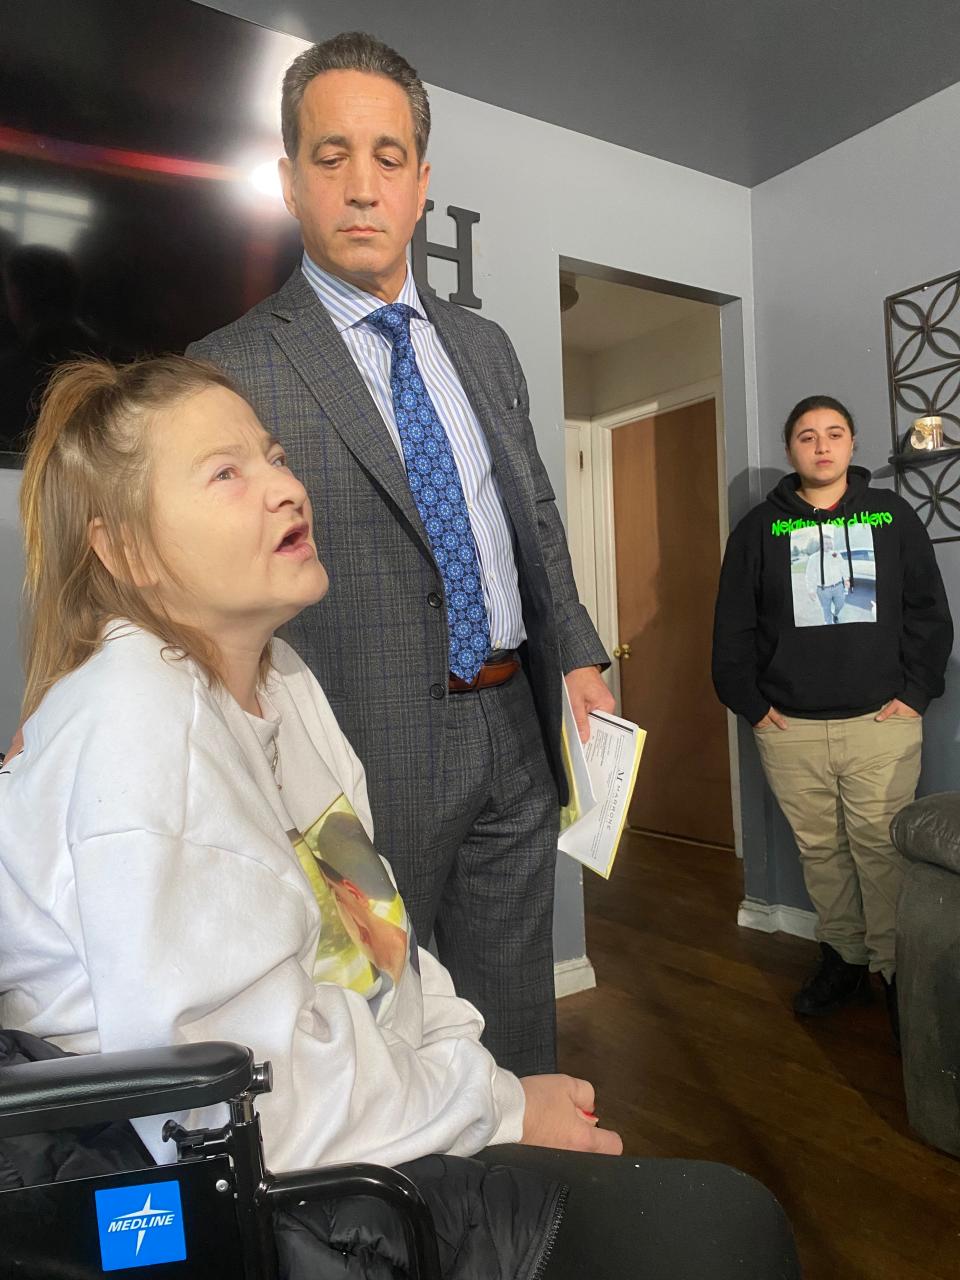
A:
x,y
839,783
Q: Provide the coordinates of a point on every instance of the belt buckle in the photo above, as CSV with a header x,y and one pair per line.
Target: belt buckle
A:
x,y
508,658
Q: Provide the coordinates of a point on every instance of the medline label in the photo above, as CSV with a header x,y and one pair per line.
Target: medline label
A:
x,y
140,1225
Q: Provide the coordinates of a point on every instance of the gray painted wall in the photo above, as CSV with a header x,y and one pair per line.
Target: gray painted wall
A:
x,y
544,192
832,238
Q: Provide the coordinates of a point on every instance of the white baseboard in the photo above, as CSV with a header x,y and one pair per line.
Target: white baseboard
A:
x,y
773,918
570,976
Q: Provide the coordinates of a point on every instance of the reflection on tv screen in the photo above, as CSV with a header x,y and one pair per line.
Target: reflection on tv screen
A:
x,y
139,202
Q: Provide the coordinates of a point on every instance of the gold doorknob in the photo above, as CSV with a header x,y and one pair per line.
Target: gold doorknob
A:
x,y
622,651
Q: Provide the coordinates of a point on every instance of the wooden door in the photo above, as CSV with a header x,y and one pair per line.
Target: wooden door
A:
x,y
666,518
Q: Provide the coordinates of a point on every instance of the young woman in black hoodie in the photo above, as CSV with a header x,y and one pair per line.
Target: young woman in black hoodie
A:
x,y
832,634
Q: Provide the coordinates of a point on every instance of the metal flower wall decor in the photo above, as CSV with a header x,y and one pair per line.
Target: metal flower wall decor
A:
x,y
923,370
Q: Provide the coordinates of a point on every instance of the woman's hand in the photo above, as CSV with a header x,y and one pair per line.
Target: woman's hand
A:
x,y
773,717
559,1113
897,708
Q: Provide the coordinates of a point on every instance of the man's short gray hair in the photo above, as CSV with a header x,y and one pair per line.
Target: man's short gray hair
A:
x,y
351,51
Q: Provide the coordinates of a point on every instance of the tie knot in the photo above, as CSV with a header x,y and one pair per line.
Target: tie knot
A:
x,y
393,320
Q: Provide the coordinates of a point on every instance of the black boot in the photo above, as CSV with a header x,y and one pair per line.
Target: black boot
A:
x,y
834,984
893,1009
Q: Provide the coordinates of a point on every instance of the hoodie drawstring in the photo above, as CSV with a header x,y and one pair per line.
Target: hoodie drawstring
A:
x,y
846,538
820,530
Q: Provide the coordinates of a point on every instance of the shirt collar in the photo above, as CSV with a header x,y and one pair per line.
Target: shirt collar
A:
x,y
349,306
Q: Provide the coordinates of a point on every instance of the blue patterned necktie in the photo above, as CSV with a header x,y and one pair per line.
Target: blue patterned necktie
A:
x,y
435,485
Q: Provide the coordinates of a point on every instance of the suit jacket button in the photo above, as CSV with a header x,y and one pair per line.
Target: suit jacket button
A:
x,y
437,691
434,600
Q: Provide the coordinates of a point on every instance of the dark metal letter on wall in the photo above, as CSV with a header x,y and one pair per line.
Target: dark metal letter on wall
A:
x,y
421,249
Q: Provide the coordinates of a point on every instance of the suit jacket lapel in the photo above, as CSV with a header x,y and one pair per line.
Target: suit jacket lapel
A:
x,y
310,341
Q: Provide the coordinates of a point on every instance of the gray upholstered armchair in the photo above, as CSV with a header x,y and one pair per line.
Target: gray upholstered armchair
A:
x,y
927,833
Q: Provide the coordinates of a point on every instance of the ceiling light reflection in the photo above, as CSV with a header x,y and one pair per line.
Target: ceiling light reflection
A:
x,y
265,179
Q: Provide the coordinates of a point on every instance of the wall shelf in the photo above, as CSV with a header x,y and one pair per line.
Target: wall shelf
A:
x,y
924,457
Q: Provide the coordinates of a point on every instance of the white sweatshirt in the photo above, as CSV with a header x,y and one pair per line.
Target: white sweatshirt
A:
x,y
150,894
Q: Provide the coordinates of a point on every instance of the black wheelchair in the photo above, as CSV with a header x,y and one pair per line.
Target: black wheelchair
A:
x,y
210,1215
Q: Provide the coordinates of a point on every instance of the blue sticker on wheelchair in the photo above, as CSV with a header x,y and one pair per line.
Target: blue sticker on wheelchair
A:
x,y
140,1226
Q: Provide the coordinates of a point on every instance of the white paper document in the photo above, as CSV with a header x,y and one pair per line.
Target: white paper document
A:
x,y
593,822
582,797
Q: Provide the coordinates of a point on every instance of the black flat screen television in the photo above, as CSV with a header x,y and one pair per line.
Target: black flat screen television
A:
x,y
139,203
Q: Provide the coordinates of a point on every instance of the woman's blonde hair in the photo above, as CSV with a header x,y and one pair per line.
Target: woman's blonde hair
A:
x,y
89,460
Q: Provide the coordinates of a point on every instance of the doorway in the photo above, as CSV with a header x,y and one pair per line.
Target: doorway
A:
x,y
646,509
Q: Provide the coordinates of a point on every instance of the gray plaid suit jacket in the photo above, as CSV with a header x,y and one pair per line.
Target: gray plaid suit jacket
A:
x,y
378,641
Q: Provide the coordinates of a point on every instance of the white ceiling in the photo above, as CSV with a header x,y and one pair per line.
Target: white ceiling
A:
x,y
608,315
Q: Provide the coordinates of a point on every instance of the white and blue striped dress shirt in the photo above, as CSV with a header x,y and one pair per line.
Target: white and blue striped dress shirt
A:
x,y
349,307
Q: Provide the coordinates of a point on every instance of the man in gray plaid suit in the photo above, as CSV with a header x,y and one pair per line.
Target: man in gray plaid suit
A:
x,y
451,699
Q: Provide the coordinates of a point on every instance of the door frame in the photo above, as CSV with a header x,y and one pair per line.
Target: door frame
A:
x,y
578,505
597,432
602,428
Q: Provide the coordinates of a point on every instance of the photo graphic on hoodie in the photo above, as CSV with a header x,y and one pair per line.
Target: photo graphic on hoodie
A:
x,y
364,940
833,575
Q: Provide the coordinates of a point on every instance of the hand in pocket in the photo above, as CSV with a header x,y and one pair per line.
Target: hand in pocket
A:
x,y
898,709
772,720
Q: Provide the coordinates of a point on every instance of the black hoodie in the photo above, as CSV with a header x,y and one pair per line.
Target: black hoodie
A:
x,y
792,573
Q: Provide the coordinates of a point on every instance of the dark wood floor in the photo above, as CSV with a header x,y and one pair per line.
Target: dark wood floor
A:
x,y
694,1051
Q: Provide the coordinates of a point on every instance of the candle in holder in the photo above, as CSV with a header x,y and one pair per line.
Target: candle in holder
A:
x,y
927,433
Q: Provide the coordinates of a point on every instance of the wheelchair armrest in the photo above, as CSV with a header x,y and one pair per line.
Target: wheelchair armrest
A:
x,y
62,1093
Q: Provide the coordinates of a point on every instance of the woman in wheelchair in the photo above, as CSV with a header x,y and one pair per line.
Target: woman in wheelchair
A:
x,y
186,854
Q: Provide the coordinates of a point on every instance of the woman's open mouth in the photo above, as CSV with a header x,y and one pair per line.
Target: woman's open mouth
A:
x,y
295,543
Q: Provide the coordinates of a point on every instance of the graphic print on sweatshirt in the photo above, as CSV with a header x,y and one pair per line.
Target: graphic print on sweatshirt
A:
x,y
364,931
830,584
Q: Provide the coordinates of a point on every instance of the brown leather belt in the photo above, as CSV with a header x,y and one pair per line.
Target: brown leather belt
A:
x,y
496,670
